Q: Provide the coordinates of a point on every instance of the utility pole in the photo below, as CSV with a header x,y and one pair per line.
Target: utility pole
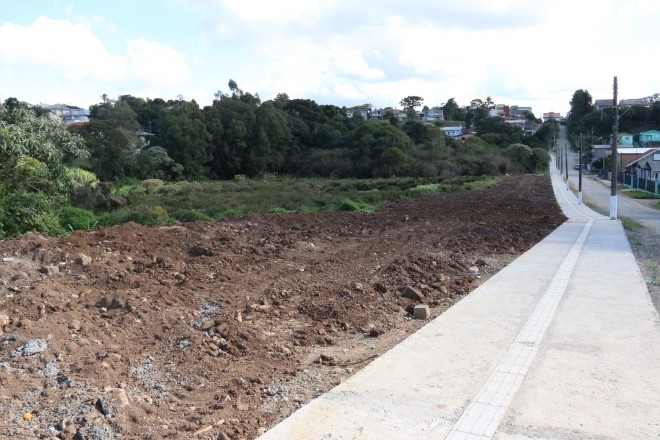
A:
x,y
566,164
580,174
615,134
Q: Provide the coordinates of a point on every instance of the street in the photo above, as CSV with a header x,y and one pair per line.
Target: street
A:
x,y
645,240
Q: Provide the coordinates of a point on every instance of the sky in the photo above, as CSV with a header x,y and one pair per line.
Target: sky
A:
x,y
528,53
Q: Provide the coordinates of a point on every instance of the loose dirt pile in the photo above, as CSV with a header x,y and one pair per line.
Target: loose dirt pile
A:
x,y
219,330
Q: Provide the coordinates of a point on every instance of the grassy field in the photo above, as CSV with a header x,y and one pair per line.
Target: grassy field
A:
x,y
154,202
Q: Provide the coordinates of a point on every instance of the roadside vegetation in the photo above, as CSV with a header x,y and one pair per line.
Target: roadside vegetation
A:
x,y
158,162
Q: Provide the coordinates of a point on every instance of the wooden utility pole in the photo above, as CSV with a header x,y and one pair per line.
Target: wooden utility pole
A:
x,y
615,134
580,173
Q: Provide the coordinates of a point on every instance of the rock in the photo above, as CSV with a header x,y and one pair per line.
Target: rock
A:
x,y
83,260
206,325
276,390
473,269
113,401
49,270
203,430
375,332
481,262
4,320
412,293
33,347
421,311
242,406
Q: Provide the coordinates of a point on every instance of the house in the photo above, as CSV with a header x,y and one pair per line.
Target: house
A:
x,y
631,102
646,166
517,112
454,132
69,114
363,112
551,116
625,154
624,139
646,137
600,104
432,114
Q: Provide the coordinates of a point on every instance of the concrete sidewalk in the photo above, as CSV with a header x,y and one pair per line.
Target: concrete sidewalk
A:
x,y
563,343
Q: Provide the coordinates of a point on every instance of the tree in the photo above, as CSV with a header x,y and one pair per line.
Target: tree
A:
x,y
155,163
521,155
451,111
580,107
33,178
409,103
110,151
182,132
476,112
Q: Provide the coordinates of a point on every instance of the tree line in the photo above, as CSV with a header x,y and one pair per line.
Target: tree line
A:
x,y
238,134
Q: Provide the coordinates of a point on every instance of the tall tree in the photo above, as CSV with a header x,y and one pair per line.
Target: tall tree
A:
x,y
581,105
182,132
410,103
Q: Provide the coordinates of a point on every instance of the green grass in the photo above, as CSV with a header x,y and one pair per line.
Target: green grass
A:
x,y
636,194
630,224
210,200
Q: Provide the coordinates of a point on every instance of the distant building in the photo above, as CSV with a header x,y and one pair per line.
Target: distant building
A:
x,y
517,112
358,111
69,114
454,132
432,114
551,116
650,136
631,102
600,104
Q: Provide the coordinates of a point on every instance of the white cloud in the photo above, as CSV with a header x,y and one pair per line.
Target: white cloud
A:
x,y
282,11
156,62
72,50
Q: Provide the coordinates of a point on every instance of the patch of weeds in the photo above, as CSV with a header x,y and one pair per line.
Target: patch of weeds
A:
x,y
356,206
630,224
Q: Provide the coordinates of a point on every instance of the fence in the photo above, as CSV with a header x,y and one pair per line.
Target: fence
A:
x,y
647,185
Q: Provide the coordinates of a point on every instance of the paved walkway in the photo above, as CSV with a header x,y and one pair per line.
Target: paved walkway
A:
x,y
563,343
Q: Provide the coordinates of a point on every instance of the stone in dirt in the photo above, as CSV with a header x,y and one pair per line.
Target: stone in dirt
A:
x,y
412,293
422,311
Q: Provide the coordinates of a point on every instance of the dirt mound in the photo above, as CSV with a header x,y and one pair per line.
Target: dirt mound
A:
x,y
219,330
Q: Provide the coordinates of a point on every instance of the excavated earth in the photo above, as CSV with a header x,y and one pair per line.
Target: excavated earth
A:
x,y
219,330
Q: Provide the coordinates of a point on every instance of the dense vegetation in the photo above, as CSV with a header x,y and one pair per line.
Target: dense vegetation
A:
x,y
116,167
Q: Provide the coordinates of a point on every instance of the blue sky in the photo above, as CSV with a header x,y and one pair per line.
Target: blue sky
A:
x,y
532,53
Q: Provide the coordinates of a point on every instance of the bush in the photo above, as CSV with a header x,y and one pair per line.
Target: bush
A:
x,y
28,211
356,206
76,219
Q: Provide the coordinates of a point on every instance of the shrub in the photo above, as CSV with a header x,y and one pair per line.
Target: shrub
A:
x,y
28,211
76,219
153,185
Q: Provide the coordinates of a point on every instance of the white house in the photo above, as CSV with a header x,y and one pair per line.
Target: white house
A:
x,y
69,114
455,132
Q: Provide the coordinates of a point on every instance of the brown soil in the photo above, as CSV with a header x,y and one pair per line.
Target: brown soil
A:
x,y
219,330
